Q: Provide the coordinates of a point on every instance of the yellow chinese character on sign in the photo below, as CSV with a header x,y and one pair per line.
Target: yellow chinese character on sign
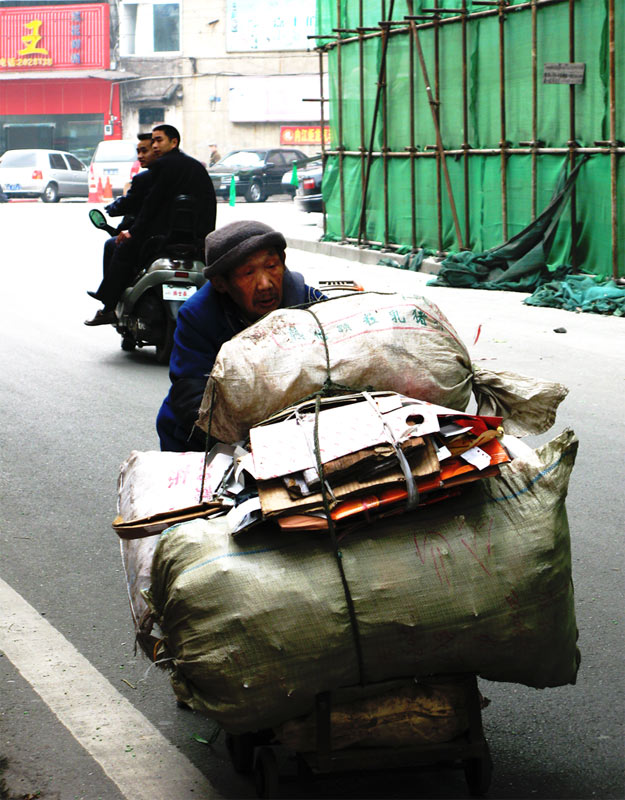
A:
x,y
32,39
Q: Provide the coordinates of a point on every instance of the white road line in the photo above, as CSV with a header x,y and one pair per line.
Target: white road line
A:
x,y
130,750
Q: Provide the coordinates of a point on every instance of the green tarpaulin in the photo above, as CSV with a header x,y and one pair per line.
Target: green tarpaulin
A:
x,y
402,198
521,263
581,293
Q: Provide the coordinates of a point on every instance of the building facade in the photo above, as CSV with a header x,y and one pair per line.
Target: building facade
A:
x,y
58,89
236,73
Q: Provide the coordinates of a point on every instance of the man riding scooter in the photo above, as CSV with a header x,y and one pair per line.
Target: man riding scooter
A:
x,y
248,278
127,206
173,174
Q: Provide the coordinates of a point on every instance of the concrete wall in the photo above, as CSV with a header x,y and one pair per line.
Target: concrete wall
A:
x,y
205,71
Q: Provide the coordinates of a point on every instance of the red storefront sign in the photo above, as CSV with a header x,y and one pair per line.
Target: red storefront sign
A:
x,y
54,37
303,134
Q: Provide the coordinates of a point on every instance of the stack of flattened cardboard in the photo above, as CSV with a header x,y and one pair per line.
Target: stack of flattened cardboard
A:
x,y
379,452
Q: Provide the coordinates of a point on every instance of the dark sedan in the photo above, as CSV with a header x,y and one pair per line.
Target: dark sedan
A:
x,y
308,196
257,173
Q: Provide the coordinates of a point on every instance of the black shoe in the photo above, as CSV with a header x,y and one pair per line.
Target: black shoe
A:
x,y
102,318
93,294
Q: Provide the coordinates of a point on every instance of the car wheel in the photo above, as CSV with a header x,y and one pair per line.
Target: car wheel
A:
x,y
255,193
51,193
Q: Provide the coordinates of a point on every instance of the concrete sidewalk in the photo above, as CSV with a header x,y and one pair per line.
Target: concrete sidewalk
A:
x,y
303,231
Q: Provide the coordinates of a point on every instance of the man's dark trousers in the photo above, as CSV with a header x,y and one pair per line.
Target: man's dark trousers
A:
x,y
119,272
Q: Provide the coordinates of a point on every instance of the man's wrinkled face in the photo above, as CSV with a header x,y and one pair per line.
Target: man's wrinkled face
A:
x,y
256,284
145,154
162,144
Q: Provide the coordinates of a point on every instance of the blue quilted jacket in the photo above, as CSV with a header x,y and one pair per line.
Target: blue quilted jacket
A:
x,y
205,322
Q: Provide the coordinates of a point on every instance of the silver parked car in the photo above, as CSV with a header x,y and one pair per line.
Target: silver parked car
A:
x,y
49,174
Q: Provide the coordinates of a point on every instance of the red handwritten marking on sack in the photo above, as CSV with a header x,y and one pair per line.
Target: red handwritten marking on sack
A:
x,y
442,563
472,548
427,322
297,345
178,478
438,557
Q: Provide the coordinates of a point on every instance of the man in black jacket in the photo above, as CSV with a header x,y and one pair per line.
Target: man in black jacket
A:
x,y
128,205
173,173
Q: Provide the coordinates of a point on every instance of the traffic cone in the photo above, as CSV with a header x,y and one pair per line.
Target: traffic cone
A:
x,y
93,191
99,190
108,190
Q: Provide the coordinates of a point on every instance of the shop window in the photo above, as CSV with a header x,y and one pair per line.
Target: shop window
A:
x,y
148,27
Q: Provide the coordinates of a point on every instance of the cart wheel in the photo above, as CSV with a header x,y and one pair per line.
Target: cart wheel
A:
x,y
266,777
241,750
478,773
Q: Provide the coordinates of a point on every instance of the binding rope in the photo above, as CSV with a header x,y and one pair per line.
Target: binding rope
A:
x,y
207,443
329,389
337,553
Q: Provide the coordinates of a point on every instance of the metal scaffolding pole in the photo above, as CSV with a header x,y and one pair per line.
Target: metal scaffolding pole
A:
x,y
433,108
572,143
613,143
381,83
433,19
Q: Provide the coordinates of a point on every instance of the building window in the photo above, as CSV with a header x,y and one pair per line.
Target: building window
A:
x,y
149,27
151,116
166,27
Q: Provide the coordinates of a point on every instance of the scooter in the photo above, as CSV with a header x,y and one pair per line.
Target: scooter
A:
x,y
172,271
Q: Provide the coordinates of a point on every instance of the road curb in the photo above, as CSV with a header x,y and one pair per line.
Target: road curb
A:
x,y
351,253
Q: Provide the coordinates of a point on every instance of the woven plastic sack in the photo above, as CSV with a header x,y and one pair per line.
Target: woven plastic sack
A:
x,y
256,625
362,341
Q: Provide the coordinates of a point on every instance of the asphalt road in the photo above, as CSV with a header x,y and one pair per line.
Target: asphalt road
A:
x,y
74,406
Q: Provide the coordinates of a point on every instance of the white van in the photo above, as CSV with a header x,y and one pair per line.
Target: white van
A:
x,y
115,159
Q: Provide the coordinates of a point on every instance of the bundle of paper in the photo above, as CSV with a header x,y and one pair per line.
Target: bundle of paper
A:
x,y
376,454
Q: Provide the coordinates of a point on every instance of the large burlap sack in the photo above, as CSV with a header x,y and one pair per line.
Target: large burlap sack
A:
x,y
379,341
150,483
376,341
256,625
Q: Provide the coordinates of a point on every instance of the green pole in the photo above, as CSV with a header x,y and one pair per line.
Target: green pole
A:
x,y
294,181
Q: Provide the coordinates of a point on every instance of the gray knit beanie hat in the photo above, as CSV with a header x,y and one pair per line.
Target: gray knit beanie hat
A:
x,y
227,247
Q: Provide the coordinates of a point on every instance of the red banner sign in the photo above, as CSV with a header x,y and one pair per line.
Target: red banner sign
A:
x,y
54,37
303,134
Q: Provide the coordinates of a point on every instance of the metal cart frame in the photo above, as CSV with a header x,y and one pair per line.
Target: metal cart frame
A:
x,y
262,756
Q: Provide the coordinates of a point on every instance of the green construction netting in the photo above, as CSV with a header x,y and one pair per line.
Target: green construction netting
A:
x,y
581,293
392,216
